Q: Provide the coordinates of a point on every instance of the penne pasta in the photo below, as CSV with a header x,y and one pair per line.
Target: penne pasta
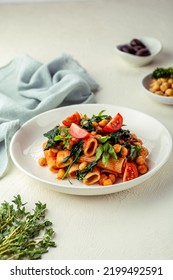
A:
x,y
51,162
113,165
90,146
61,155
92,177
84,158
73,171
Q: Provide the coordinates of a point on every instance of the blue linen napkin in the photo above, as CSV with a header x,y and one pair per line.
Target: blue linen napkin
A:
x,y
29,87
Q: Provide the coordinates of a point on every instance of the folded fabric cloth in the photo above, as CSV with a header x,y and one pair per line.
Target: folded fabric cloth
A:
x,y
28,88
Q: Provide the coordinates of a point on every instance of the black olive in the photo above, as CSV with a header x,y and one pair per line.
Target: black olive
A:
x,y
126,48
137,42
143,52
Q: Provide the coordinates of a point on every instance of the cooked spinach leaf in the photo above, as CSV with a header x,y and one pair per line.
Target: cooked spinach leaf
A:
x,y
122,134
134,152
87,124
82,173
51,134
75,151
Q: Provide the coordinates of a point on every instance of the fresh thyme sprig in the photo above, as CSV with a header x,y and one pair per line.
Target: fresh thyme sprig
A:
x,y
24,235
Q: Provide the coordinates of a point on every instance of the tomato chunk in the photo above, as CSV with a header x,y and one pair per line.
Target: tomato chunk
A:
x,y
78,132
74,118
131,172
115,124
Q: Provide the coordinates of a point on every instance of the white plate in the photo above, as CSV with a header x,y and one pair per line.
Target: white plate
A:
x,y
158,98
26,146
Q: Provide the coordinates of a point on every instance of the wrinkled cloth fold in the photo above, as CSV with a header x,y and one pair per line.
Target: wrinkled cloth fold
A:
x,y
29,87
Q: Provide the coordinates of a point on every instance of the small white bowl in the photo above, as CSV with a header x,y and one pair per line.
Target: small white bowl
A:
x,y
159,98
153,45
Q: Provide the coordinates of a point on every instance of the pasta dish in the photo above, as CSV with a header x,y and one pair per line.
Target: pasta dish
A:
x,y
96,149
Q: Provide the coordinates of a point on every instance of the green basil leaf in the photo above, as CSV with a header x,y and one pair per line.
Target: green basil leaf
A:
x,y
58,138
112,152
105,157
99,152
103,139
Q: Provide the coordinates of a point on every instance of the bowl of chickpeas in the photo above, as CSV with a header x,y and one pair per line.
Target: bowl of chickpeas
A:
x,y
159,85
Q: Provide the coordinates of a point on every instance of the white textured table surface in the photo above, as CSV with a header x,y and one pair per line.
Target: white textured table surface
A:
x,y
134,224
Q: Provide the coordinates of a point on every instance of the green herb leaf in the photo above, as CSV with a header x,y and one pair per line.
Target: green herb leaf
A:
x,y
162,73
103,139
105,157
58,138
100,117
112,152
99,152
105,152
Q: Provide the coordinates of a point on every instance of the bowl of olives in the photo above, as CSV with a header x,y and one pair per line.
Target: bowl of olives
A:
x,y
139,52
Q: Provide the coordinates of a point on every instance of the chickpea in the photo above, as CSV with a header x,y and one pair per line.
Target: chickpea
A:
x,y
155,87
117,148
169,92
107,182
140,160
163,80
144,152
170,81
134,136
103,123
42,161
98,135
142,168
124,151
140,141
103,177
164,87
159,81
60,174
93,133
95,124
112,177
